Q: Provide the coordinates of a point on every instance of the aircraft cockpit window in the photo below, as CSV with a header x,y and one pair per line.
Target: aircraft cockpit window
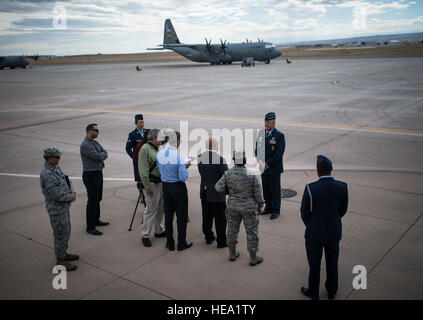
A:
x,y
270,45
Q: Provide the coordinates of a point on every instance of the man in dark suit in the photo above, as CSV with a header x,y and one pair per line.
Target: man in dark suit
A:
x,y
270,147
134,138
212,166
323,205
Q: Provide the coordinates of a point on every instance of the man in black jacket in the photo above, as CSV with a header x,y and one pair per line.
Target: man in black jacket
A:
x,y
211,166
323,205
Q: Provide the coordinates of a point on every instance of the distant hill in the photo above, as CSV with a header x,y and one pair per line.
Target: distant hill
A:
x,y
373,38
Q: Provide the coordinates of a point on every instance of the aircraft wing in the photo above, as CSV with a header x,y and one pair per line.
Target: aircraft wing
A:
x,y
178,45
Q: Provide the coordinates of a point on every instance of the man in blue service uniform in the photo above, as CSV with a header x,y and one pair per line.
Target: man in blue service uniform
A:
x,y
134,138
323,205
270,147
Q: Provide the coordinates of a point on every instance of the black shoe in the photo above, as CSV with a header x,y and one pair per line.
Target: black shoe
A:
x,y
274,216
210,241
71,257
160,235
266,212
171,247
101,223
185,246
220,246
146,242
307,293
94,232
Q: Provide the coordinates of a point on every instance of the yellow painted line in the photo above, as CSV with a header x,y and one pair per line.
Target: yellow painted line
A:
x,y
231,118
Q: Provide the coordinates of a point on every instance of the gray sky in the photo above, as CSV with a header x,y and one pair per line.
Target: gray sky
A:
x,y
132,26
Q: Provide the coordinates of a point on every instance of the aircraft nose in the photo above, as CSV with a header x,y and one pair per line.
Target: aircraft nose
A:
x,y
277,53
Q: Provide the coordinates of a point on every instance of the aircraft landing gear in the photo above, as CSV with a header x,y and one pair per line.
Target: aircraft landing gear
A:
x,y
267,61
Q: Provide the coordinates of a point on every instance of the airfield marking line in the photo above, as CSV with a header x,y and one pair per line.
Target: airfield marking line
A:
x,y
231,118
389,251
49,121
22,175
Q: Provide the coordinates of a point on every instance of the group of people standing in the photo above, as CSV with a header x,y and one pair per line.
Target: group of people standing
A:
x,y
228,196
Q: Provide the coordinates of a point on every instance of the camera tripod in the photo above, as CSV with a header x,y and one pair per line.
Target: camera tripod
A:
x,y
141,195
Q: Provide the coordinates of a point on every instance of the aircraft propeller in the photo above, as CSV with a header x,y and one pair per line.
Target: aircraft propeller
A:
x,y
223,46
208,46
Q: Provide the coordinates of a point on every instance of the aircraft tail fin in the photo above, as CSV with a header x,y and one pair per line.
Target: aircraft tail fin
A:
x,y
169,36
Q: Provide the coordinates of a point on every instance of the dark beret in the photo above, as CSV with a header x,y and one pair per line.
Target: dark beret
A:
x,y
139,117
270,116
323,163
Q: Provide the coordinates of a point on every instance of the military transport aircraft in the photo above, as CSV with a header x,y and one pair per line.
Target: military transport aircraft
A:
x,y
223,53
13,62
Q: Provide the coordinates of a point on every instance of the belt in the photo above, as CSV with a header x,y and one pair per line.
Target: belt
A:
x,y
173,182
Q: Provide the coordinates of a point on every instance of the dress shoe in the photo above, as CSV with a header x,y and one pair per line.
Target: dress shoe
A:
x,y
71,257
274,216
307,293
146,242
331,296
69,266
170,246
101,223
94,232
220,245
185,246
265,212
210,241
160,235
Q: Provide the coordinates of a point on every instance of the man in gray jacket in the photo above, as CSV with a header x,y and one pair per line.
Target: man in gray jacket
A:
x,y
93,156
58,193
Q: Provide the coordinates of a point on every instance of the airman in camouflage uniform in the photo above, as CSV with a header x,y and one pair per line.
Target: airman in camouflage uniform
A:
x,y
58,193
244,202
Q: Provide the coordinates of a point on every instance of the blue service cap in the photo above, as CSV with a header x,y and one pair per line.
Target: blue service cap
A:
x,y
270,116
323,163
139,117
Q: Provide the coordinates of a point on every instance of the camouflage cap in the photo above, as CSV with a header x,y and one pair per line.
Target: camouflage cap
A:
x,y
52,151
239,156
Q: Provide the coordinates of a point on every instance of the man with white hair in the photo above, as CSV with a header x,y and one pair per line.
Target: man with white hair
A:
x,y
212,166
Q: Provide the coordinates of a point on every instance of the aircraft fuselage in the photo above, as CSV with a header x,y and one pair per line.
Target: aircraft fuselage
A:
x,y
260,51
13,62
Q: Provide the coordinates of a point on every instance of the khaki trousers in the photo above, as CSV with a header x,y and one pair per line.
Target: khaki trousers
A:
x,y
154,213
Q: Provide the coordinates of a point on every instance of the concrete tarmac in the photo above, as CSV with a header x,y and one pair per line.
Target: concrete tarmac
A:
x,y
365,114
